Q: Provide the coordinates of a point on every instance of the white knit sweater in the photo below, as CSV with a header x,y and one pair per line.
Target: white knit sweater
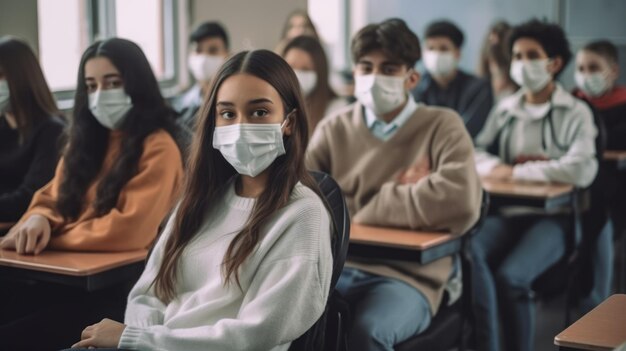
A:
x,y
285,283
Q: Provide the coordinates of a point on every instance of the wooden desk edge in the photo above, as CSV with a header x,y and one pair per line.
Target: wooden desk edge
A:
x,y
440,238
614,155
42,267
577,345
445,237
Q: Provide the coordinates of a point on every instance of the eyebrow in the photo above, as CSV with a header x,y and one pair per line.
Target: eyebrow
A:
x,y
384,63
106,76
251,102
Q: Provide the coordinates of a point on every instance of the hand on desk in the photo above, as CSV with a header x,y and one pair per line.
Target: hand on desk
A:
x,y
107,333
414,173
30,237
501,172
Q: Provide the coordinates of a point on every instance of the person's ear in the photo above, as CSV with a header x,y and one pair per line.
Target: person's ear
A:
x,y
412,80
555,65
289,122
457,53
613,73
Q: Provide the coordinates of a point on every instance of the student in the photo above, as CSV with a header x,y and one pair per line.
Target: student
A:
x,y
597,70
541,133
596,74
495,61
30,126
445,84
209,48
114,185
98,199
430,183
298,23
245,262
307,58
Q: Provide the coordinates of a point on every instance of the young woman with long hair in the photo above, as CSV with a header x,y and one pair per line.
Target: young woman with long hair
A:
x,y
250,235
306,56
116,182
30,126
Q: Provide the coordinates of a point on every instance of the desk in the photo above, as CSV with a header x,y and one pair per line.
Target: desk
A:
x,y
91,271
6,225
616,157
549,196
399,244
604,328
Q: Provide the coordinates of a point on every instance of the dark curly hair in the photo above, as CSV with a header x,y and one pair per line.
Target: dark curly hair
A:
x,y
445,29
392,36
550,36
88,140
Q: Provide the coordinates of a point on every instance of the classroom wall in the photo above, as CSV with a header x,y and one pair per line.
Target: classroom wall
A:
x,y
583,20
250,24
19,18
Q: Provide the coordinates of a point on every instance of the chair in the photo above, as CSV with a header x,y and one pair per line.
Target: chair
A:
x,y
329,332
448,327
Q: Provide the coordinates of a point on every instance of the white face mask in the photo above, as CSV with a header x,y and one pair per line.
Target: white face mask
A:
x,y
250,148
592,84
379,93
439,63
531,75
110,106
307,79
5,96
204,67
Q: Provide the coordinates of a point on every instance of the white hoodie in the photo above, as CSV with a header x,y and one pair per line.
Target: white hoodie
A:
x,y
520,133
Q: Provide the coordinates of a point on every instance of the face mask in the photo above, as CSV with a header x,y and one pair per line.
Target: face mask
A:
x,y
532,75
204,67
110,106
379,93
250,148
439,64
593,84
5,96
307,79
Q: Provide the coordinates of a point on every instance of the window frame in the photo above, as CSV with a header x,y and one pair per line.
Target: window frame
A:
x,y
101,24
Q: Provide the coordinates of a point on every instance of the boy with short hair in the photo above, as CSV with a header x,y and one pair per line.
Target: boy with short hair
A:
x,y
445,84
399,164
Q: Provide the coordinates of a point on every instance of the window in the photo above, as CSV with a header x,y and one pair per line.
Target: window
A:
x,y
62,40
68,27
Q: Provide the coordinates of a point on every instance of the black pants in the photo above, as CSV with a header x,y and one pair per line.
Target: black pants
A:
x,y
43,316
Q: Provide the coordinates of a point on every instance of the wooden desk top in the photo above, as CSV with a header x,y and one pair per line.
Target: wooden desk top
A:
x,y
604,328
6,225
526,189
71,263
615,155
397,238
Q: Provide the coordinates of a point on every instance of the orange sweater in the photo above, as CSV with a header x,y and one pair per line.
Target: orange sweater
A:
x,y
142,204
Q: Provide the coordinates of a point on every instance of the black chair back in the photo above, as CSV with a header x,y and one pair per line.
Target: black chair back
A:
x,y
329,332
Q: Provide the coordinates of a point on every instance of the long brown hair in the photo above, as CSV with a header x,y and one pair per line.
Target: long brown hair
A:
x,y
496,47
209,172
31,99
308,22
89,140
322,95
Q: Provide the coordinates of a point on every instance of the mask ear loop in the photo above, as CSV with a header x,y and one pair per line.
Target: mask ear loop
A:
x,y
287,118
